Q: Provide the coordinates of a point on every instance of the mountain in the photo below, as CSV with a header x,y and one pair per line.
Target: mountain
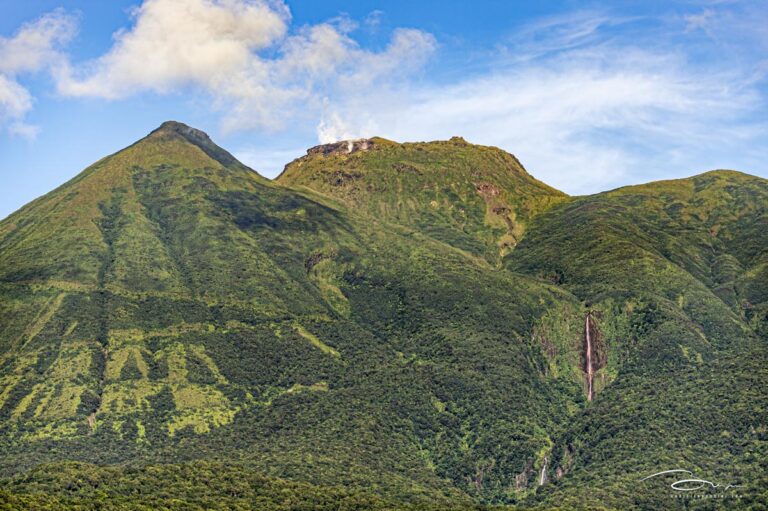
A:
x,y
416,326
475,198
676,273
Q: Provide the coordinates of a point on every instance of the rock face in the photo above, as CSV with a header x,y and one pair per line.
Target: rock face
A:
x,y
593,352
342,147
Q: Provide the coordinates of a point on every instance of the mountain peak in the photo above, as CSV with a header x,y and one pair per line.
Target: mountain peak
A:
x,y
180,127
196,137
474,197
343,147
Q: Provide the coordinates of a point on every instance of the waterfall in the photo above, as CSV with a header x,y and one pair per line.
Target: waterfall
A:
x,y
543,476
589,360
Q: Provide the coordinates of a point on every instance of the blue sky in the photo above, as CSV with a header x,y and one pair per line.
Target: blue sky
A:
x,y
589,95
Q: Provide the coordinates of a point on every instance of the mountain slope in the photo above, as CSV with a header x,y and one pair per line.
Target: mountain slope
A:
x,y
675,271
423,324
476,198
672,280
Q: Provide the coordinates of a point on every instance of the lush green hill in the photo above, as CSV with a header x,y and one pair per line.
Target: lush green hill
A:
x,y
676,272
386,326
479,199
189,487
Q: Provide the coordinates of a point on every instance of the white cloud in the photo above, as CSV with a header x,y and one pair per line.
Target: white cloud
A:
x,y
239,52
15,100
559,33
332,128
34,47
36,44
175,42
699,21
374,19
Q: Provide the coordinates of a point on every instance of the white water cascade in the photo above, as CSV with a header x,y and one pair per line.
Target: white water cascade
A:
x,y
590,372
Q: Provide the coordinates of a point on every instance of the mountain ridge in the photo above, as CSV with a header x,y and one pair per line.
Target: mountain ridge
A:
x,y
201,138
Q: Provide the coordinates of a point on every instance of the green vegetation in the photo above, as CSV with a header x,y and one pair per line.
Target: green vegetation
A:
x,y
674,267
188,487
388,326
478,199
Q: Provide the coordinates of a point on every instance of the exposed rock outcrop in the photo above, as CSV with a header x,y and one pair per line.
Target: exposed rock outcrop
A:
x,y
342,147
593,352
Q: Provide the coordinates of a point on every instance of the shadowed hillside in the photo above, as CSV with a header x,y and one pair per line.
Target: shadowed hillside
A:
x,y
677,271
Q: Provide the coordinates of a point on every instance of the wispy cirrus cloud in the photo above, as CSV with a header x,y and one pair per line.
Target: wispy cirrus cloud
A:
x,y
587,100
